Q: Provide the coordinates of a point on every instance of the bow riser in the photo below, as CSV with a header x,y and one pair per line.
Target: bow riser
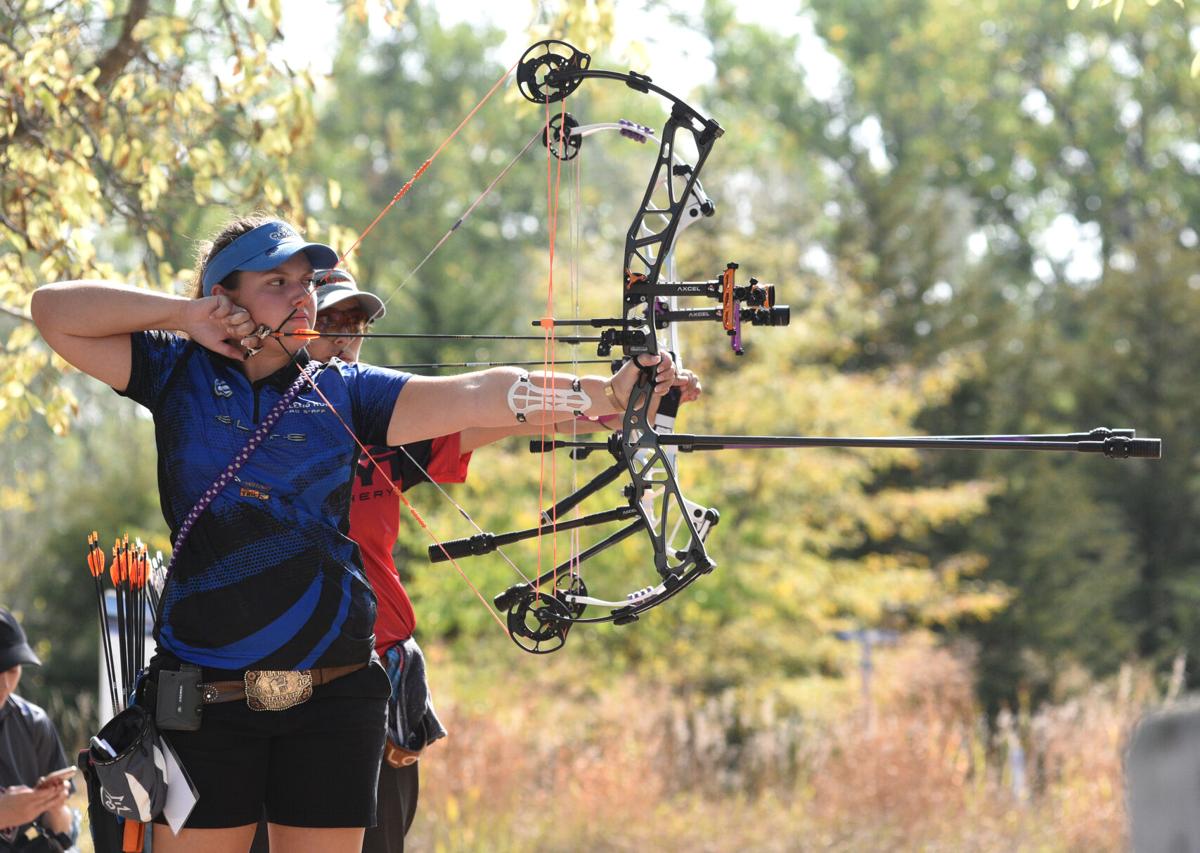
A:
x,y
649,249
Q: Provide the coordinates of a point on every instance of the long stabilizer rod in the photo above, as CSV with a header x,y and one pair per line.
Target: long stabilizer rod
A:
x,y
1113,443
1114,447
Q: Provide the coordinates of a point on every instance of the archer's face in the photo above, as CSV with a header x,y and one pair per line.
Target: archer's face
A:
x,y
279,294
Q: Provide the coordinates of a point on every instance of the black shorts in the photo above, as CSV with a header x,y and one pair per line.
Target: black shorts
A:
x,y
316,764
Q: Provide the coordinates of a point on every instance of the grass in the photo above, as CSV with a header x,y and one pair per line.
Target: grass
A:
x,y
639,769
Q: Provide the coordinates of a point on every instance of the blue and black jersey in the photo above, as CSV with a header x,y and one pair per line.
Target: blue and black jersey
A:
x,y
267,578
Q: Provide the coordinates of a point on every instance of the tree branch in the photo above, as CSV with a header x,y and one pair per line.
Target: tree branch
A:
x,y
117,57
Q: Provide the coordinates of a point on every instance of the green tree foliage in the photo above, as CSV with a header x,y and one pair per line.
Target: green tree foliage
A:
x,y
399,94
125,133
1008,170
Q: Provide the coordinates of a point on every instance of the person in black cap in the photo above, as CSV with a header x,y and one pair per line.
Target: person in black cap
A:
x,y
32,816
266,600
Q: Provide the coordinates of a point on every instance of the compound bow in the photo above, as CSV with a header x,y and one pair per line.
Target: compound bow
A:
x,y
541,611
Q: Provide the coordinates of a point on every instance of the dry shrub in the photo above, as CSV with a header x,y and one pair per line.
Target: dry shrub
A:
x,y
548,765
925,771
522,778
1077,748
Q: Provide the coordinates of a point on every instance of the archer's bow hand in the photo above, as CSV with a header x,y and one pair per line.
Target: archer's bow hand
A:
x,y
632,373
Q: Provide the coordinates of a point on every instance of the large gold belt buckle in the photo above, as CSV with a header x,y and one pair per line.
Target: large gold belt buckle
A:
x,y
277,690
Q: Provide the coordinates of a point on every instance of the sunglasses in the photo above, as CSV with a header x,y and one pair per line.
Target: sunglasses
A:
x,y
346,322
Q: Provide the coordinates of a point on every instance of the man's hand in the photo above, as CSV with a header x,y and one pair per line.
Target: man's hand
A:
x,y
20,805
625,378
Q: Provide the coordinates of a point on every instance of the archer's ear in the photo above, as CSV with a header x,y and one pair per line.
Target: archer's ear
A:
x,y
230,294
235,279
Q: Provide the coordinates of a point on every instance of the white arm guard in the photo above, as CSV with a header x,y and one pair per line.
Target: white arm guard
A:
x,y
527,395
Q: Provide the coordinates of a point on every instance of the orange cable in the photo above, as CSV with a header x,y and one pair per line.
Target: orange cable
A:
x,y
553,184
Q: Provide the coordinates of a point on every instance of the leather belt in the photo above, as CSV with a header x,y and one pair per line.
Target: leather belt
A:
x,y
290,687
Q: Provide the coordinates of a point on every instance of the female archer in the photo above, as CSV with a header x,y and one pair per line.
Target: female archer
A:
x,y
266,601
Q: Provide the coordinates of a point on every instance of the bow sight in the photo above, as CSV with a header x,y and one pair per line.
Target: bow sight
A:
x,y
752,303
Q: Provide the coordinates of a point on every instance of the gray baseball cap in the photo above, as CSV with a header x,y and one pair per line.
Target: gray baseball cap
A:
x,y
340,286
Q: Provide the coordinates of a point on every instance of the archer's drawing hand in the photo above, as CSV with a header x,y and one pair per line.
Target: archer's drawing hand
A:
x,y
215,322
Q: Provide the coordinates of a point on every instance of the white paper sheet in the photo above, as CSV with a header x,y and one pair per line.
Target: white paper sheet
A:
x,y
181,793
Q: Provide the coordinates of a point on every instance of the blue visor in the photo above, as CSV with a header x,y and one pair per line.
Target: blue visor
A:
x,y
264,248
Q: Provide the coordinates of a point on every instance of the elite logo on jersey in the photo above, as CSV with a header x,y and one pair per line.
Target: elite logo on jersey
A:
x,y
221,388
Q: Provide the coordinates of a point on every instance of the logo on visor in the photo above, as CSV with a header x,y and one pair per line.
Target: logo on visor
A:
x,y
221,388
284,233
